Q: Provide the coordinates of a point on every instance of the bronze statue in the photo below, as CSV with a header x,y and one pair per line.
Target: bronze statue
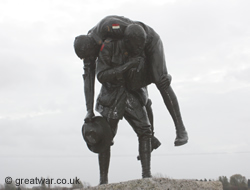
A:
x,y
88,46
130,57
118,62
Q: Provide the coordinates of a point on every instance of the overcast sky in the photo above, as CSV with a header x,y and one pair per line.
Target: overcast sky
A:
x,y
42,105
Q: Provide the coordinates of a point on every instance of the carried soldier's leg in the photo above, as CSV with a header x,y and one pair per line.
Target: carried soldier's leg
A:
x,y
172,105
160,76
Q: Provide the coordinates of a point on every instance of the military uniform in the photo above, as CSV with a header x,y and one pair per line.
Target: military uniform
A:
x,y
155,67
116,100
114,27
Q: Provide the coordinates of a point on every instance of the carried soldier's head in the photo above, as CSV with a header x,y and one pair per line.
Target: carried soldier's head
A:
x,y
85,47
134,39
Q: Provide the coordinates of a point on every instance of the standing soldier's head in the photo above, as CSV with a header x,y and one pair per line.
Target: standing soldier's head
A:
x,y
134,39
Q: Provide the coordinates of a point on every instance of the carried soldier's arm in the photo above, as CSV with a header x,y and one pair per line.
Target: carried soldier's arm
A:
x,y
89,87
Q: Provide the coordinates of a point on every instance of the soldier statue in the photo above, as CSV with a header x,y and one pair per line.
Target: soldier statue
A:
x,y
130,57
88,46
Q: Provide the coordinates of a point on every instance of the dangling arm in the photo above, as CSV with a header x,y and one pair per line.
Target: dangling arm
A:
x,y
89,87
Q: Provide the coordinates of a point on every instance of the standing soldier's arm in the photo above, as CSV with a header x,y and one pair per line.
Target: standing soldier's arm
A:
x,y
108,73
89,87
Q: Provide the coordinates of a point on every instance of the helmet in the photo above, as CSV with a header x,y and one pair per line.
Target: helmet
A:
x,y
97,134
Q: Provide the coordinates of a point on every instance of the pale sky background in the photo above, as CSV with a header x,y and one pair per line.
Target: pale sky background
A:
x,y
42,105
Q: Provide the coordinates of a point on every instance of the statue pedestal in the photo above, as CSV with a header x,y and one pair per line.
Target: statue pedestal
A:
x,y
161,184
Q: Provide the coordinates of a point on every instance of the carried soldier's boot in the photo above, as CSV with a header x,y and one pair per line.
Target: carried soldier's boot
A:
x,y
181,136
145,154
104,158
172,105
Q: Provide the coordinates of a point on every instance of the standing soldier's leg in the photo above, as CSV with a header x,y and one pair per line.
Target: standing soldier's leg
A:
x,y
145,155
137,116
154,141
104,157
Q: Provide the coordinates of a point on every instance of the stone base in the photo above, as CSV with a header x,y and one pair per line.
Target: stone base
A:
x,y
160,184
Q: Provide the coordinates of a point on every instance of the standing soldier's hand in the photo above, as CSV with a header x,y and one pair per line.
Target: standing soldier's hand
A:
x,y
138,62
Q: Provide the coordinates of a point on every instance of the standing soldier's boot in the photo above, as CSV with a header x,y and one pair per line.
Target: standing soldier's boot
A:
x,y
104,158
172,105
145,155
155,143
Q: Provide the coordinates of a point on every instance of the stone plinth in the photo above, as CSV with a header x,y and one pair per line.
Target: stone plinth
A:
x,y
160,184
